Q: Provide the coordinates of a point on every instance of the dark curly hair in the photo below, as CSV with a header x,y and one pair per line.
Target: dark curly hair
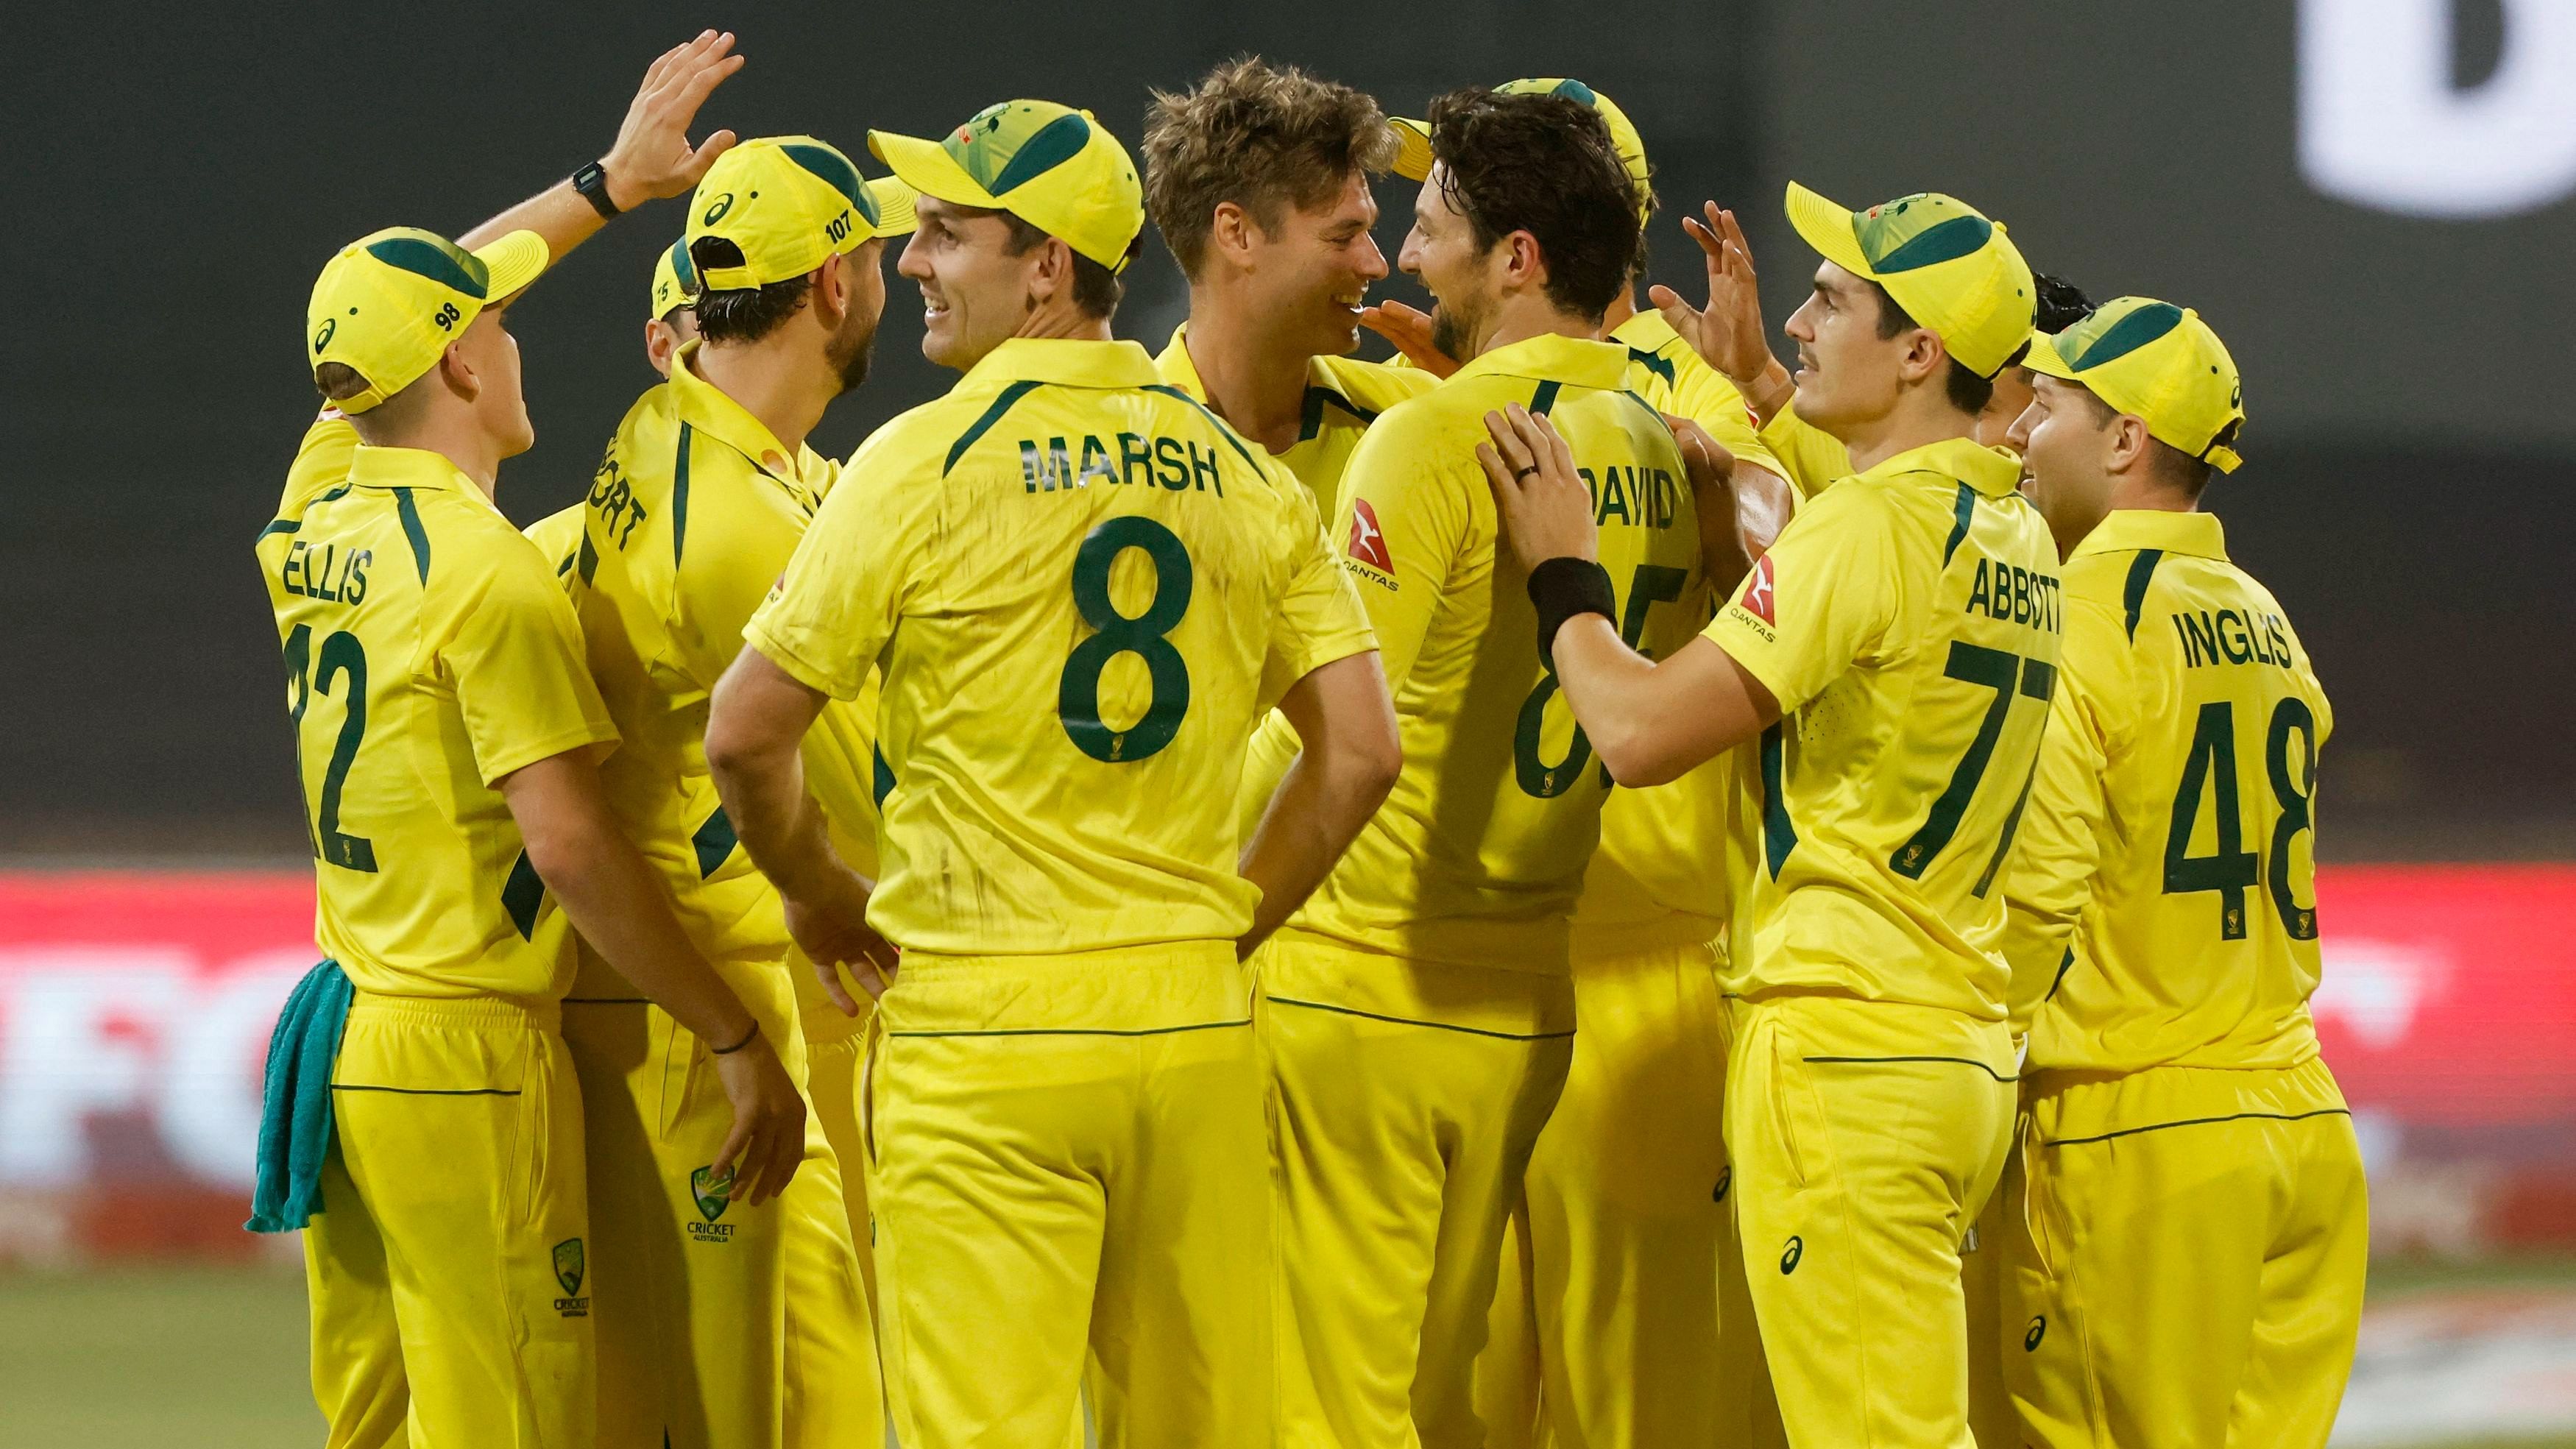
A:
x,y
1545,165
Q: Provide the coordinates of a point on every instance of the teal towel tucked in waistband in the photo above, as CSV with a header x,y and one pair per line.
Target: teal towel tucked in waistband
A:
x,y
295,1101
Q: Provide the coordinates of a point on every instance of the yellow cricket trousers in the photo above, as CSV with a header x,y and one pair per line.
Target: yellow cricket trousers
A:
x,y
1069,1172
2185,1267
721,1325
1405,1098
1865,1138
1608,1330
448,1267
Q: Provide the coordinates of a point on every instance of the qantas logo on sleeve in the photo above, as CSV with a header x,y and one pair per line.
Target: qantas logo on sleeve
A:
x,y
1757,593
1368,541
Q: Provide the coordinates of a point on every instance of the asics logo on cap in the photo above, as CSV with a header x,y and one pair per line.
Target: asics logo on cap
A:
x,y
330,329
716,210
1921,230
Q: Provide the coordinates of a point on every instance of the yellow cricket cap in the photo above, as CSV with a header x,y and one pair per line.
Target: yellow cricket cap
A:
x,y
2159,362
1049,165
1944,262
675,281
788,202
1413,138
391,301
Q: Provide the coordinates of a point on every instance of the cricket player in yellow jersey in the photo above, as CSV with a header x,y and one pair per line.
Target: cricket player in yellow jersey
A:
x,y
446,734
1417,1010
2186,1268
1258,179
668,323
745,1327
1081,590
1627,1234
1729,335
1896,650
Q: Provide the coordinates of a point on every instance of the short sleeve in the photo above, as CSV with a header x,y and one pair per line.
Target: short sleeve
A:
x,y
836,605
1405,519
512,652
1820,601
1319,618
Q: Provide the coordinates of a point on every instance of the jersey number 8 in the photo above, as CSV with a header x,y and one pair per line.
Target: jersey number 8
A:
x,y
1077,697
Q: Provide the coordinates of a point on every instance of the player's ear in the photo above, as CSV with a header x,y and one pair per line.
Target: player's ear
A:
x,y
458,373
1230,231
1523,264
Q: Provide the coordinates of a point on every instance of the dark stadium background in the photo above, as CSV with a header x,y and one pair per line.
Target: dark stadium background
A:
x,y
180,173
175,174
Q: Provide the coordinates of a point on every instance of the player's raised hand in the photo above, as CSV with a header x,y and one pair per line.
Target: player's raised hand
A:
x,y
1728,331
1546,510
1409,328
768,1138
652,157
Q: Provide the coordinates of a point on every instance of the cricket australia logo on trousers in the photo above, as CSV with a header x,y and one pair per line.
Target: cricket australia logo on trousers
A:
x,y
710,1192
570,1264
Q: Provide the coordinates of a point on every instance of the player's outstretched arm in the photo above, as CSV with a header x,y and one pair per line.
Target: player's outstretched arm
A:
x,y
617,904
1651,721
1728,332
1346,722
756,724
650,159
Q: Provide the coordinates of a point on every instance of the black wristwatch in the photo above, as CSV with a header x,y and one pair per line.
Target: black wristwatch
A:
x,y
592,182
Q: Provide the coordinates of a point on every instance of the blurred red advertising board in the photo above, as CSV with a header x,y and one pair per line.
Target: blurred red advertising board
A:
x,y
135,1007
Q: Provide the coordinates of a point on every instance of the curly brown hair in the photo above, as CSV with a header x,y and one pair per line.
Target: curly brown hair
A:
x,y
1545,165
1261,136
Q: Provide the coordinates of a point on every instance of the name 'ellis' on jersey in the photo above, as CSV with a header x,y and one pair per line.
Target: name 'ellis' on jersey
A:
x,y
2163,901
429,652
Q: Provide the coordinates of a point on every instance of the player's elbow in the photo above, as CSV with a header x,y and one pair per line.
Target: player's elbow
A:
x,y
1636,755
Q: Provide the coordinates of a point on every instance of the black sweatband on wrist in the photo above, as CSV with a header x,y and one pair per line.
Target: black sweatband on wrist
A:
x,y
747,1039
1563,588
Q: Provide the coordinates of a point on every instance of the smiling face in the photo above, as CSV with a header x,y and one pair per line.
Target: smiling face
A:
x,y
2067,439
1462,276
1847,373
974,291
1312,277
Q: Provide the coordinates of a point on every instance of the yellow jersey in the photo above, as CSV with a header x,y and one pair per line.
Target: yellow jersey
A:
x,y
558,537
1478,854
1810,458
1081,588
1908,621
429,652
1672,854
1343,396
2163,898
693,511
